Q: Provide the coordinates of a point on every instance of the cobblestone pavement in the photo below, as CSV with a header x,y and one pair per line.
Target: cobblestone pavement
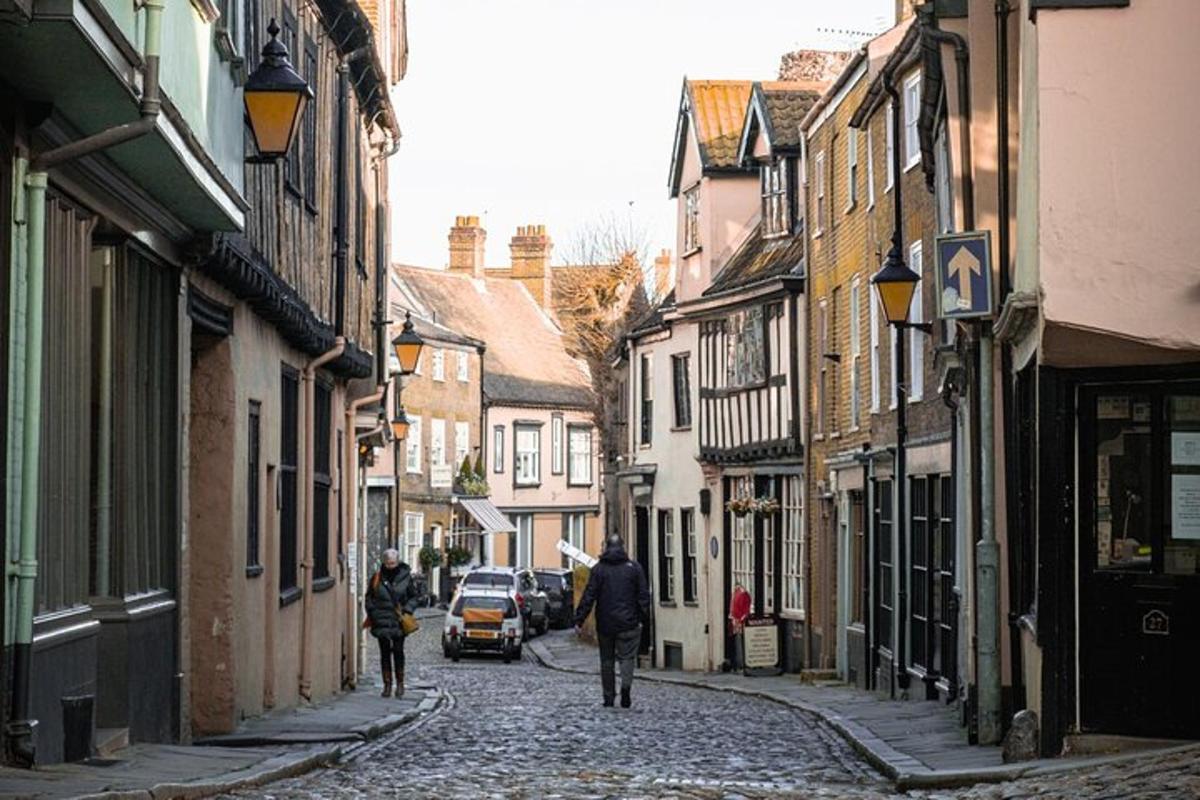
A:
x,y
522,731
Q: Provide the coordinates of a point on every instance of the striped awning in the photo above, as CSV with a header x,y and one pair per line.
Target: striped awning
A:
x,y
490,518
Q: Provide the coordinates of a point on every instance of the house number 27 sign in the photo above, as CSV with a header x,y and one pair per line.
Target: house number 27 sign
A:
x,y
1156,623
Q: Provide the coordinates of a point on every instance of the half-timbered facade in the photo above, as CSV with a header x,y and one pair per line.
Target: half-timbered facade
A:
x,y
749,367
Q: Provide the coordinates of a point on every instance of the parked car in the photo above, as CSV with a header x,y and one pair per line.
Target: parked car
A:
x,y
532,601
483,619
559,586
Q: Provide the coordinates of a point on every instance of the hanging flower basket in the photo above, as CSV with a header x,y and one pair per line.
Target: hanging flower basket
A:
x,y
741,505
767,506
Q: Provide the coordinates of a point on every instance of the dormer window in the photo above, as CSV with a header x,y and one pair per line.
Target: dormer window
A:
x,y
775,211
691,219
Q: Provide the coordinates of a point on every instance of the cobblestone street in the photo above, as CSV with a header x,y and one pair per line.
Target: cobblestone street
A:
x,y
523,731
520,730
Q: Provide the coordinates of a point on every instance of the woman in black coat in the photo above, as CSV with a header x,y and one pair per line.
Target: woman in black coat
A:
x,y
391,592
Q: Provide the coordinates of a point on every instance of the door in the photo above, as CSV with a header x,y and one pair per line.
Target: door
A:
x,y
1139,558
642,531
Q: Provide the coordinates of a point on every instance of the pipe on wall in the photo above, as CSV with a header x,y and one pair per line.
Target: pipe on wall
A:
x,y
306,484
22,746
350,527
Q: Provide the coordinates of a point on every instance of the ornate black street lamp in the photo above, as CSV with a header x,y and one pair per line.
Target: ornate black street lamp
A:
x,y
408,347
275,97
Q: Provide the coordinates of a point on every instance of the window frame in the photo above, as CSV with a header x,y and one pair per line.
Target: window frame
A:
x,y
792,532
889,135
773,191
691,549
462,442
254,566
646,396
876,386
557,444
870,168
412,454
437,425
290,35
438,368
912,114
322,482
916,316
691,220
851,169
536,480
682,394
289,508
854,299
308,130
572,429
462,367
666,556
819,193
498,449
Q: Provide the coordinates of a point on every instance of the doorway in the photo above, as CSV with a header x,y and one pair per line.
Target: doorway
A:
x,y
642,531
1139,558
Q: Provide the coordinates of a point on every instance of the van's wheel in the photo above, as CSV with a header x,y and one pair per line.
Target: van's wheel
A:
x,y
507,653
455,652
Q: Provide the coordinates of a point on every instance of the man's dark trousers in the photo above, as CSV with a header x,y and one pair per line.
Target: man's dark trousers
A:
x,y
622,647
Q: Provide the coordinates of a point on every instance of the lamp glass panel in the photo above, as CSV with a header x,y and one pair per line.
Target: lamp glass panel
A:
x,y
407,353
274,118
896,299
400,429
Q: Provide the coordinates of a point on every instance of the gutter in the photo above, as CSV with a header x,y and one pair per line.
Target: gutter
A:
x,y
350,529
306,480
20,729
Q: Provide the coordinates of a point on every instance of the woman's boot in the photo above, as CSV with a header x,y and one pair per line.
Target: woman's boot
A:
x,y
400,683
387,683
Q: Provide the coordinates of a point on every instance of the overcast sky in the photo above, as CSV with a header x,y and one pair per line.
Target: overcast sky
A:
x,y
560,111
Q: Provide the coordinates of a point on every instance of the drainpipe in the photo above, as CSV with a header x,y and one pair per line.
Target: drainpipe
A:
x,y
306,479
104,432
21,727
988,549
341,210
808,477
350,528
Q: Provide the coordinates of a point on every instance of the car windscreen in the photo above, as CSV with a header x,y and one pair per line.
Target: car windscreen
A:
x,y
497,579
550,580
497,603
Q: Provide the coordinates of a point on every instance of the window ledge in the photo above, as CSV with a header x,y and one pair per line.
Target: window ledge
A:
x,y
667,604
681,428
254,570
692,252
537,485
692,603
817,233
571,485
289,596
795,616
323,584
852,206
908,167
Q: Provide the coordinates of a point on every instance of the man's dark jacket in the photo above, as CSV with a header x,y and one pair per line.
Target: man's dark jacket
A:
x,y
618,589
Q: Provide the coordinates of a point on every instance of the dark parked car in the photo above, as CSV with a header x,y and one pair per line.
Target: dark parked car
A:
x,y
559,586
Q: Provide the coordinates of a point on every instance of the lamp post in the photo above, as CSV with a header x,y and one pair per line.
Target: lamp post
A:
x,y
896,283
275,97
408,347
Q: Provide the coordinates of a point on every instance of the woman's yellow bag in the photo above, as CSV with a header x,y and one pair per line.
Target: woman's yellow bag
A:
x,y
408,623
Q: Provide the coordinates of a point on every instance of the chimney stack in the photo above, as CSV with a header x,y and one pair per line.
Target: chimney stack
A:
x,y
662,274
531,261
466,247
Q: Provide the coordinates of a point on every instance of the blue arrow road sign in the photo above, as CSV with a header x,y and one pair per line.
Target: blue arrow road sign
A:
x,y
964,275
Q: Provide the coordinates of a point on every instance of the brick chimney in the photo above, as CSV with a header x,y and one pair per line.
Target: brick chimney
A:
x,y
531,261
662,274
466,247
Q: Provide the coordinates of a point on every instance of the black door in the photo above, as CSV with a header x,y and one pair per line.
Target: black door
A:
x,y
1139,559
642,522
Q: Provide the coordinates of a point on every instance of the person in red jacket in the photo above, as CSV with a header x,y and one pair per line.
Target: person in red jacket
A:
x,y
739,610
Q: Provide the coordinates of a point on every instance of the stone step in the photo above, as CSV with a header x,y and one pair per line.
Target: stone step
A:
x,y
111,740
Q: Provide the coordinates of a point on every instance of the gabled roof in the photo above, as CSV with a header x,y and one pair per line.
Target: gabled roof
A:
x,y
526,363
777,108
759,259
715,110
653,321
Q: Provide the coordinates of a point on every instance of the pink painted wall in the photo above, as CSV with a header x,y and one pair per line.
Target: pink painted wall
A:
x,y
553,490
729,207
1117,172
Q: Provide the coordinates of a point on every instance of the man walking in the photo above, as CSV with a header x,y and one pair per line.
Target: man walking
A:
x,y
617,587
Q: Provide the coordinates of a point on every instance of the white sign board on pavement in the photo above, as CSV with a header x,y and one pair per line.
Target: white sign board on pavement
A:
x,y
575,554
